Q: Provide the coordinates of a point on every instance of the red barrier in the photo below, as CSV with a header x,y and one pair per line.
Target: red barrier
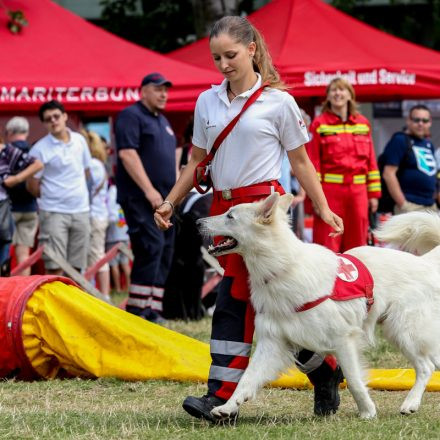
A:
x,y
32,259
92,270
14,294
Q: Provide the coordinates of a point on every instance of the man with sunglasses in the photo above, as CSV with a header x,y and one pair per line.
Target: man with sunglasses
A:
x,y
61,188
410,170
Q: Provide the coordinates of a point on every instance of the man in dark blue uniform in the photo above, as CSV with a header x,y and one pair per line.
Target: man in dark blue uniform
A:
x,y
146,172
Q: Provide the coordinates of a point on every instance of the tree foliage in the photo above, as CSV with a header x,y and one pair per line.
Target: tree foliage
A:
x,y
416,21
165,25
206,12
161,25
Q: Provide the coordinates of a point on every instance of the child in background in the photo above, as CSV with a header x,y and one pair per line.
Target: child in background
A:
x,y
98,209
117,233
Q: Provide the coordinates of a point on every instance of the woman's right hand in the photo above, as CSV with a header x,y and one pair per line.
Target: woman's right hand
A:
x,y
183,186
162,216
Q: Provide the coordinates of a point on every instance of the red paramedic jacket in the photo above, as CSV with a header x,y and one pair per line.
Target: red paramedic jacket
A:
x,y
346,149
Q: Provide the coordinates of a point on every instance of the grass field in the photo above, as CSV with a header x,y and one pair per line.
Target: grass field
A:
x,y
112,409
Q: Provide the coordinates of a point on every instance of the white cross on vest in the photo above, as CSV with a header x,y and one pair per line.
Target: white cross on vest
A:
x,y
347,271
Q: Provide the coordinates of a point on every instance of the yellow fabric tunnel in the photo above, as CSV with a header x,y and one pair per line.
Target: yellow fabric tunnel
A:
x,y
68,332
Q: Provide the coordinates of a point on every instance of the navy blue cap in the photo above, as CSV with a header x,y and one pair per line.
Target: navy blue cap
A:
x,y
157,79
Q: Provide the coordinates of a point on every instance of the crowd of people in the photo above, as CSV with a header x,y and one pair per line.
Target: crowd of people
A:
x,y
77,215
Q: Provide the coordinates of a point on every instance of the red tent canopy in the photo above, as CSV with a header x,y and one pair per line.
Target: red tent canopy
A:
x,y
312,42
61,56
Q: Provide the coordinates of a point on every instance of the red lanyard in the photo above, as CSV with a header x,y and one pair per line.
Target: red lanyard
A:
x,y
201,173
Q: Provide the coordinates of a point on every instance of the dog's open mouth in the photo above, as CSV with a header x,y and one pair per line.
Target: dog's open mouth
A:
x,y
224,246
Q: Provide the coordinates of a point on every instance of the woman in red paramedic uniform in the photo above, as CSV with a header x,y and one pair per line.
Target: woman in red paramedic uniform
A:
x,y
342,152
250,159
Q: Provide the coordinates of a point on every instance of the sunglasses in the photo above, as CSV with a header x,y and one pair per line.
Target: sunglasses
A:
x,y
53,117
418,120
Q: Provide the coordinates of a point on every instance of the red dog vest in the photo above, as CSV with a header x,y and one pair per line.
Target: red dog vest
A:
x,y
353,280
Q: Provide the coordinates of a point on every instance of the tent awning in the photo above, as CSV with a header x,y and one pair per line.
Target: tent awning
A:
x,y
61,56
311,42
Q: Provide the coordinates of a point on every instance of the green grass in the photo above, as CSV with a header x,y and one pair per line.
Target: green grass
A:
x,y
113,409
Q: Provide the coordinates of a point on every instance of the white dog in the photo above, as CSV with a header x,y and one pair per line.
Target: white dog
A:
x,y
286,273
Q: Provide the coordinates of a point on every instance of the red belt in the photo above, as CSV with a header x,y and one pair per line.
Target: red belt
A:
x,y
258,189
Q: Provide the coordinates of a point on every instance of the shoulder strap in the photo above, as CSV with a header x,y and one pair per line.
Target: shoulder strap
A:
x,y
99,187
221,137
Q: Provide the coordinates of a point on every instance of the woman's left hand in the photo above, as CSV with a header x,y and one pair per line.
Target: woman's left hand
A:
x,y
334,221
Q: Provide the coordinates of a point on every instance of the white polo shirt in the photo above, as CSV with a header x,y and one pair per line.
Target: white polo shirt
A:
x,y
63,182
253,151
98,205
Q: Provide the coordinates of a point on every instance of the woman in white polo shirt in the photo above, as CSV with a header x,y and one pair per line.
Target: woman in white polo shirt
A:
x,y
249,158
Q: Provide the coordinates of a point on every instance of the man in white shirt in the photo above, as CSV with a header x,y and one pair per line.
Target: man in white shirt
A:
x,y
62,189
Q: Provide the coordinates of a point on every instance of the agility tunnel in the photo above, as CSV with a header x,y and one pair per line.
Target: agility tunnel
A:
x,y
50,328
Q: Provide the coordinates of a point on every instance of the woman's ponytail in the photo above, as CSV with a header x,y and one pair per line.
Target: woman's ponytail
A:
x,y
263,62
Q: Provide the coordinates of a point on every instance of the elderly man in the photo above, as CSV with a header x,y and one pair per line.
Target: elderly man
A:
x,y
146,172
23,204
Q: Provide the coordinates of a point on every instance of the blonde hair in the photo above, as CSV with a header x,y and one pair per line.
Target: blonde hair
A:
x,y
343,84
242,31
96,146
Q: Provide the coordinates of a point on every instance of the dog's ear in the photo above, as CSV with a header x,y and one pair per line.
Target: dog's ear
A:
x,y
285,201
267,208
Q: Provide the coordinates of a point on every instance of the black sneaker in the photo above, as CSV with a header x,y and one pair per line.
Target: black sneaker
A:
x,y
200,407
327,394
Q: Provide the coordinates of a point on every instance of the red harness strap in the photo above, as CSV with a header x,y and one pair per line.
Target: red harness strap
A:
x,y
312,304
353,280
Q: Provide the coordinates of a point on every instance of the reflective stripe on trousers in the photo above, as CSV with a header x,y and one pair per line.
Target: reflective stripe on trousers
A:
x,y
311,365
228,348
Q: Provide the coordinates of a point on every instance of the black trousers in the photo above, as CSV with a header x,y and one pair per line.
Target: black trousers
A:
x,y
152,249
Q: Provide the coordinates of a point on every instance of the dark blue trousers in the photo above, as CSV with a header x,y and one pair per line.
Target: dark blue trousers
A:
x,y
153,252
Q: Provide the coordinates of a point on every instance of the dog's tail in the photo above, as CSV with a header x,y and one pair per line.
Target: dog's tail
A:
x,y
415,232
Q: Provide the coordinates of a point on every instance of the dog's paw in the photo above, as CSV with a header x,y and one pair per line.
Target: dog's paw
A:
x,y
226,411
409,407
368,414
